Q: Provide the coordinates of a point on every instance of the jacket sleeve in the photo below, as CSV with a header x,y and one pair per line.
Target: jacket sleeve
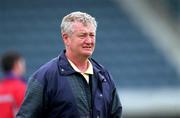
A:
x,y
116,107
32,105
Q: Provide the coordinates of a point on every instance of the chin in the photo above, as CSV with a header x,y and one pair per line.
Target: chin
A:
x,y
87,53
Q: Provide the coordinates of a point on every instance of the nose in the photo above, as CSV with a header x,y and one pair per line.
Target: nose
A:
x,y
88,40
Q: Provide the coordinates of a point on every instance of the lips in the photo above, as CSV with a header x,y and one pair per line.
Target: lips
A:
x,y
87,47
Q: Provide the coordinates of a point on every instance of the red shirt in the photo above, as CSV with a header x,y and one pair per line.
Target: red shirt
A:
x,y
12,93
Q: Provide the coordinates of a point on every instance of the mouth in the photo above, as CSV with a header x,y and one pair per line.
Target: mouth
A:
x,y
87,47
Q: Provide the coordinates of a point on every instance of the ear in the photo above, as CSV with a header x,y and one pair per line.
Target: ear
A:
x,y
65,38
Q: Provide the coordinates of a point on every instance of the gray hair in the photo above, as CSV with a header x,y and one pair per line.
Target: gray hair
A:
x,y
68,20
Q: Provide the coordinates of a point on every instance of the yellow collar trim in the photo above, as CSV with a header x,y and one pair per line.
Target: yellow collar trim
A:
x,y
89,70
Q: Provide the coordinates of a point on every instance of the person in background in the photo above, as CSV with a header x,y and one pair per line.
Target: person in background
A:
x,y
73,85
12,87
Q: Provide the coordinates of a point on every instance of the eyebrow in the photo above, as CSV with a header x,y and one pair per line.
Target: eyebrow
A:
x,y
86,32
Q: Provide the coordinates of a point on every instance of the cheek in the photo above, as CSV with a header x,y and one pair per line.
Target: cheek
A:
x,y
93,41
22,67
75,45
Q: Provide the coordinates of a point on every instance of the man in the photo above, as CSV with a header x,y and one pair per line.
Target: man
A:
x,y
72,85
12,88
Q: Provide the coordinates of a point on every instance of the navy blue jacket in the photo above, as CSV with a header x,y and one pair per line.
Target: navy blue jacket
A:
x,y
49,94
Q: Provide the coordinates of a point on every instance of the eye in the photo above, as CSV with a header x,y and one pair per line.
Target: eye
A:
x,y
92,35
82,35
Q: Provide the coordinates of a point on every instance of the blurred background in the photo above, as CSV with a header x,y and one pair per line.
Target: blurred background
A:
x,y
137,40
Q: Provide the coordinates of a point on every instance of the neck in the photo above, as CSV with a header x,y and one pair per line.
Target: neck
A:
x,y
12,74
16,73
80,62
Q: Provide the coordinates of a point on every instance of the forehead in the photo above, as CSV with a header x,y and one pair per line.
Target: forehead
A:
x,y
80,27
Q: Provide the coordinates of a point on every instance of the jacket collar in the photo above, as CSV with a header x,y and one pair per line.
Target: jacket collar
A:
x,y
63,64
65,67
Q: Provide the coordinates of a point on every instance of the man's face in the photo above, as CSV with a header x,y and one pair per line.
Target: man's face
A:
x,y
82,40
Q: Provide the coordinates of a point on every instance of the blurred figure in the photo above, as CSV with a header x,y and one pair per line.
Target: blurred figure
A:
x,y
12,88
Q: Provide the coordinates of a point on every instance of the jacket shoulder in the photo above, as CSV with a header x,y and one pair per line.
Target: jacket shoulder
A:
x,y
47,70
97,65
